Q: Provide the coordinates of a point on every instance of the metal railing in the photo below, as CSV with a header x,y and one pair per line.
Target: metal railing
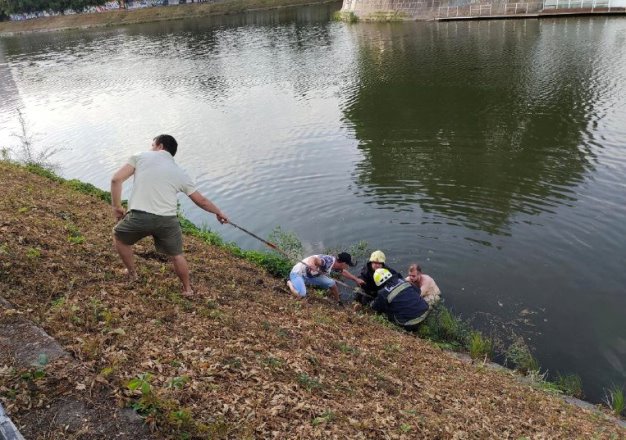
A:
x,y
577,4
486,10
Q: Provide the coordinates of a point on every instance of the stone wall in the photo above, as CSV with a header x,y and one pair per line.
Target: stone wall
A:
x,y
433,9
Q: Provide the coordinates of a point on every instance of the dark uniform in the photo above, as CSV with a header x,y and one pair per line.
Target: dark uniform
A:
x,y
370,289
401,302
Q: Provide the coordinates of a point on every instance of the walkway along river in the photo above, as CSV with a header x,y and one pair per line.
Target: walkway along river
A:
x,y
489,152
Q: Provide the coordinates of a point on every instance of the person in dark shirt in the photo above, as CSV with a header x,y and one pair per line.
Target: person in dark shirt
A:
x,y
369,289
399,300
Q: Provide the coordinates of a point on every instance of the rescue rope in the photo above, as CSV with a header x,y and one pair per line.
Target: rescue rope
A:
x,y
279,250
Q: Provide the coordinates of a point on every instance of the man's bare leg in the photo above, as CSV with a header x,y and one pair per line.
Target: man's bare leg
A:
x,y
126,254
182,270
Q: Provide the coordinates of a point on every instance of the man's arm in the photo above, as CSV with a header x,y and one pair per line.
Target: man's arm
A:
x,y
208,206
349,276
116,189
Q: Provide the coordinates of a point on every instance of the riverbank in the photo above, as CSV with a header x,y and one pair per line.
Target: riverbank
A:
x,y
146,15
242,360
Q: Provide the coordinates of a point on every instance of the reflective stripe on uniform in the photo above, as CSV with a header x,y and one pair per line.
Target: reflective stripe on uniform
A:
x,y
396,291
417,320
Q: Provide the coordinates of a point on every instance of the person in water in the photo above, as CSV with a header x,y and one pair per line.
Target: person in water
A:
x,y
399,300
315,271
152,206
428,288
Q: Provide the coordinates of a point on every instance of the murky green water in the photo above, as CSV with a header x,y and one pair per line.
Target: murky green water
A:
x,y
490,152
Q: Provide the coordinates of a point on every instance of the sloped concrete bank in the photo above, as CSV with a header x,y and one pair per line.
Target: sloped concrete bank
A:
x,y
148,15
441,10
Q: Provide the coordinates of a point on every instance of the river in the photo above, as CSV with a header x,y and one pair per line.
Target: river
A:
x,y
491,152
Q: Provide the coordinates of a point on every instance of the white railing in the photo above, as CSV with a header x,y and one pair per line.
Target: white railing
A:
x,y
516,8
480,10
577,4
485,10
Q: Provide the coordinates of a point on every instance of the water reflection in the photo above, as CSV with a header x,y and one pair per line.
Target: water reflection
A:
x,y
474,138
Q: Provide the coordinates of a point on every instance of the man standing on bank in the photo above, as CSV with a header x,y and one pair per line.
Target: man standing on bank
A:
x,y
152,206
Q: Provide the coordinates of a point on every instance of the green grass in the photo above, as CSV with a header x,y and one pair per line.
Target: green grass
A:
x,y
441,326
519,355
308,382
348,17
479,346
326,417
615,400
570,384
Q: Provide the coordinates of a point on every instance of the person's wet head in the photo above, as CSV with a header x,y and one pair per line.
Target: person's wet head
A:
x,y
415,273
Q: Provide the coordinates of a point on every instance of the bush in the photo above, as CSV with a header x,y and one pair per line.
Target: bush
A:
x,y
28,154
479,346
615,399
570,384
520,356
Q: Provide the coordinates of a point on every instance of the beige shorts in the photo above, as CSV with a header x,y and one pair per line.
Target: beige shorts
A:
x,y
165,230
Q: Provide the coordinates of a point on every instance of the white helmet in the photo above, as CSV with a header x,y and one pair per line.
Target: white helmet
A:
x,y
381,276
377,257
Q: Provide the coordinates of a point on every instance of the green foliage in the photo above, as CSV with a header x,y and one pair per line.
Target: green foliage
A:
x,y
32,375
520,356
288,242
33,253
358,251
479,346
347,349
308,382
348,17
275,264
74,236
570,384
88,188
141,382
178,382
181,418
614,398
202,233
44,172
146,404
443,327
25,6
382,320
273,362
326,417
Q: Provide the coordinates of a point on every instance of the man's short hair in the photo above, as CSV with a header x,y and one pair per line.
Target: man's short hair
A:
x,y
169,143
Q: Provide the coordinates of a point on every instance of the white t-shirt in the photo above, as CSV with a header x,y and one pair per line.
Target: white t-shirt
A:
x,y
157,181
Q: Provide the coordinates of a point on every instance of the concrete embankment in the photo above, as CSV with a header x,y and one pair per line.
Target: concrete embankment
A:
x,y
442,10
146,15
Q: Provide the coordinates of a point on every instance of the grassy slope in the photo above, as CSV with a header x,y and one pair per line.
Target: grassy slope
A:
x,y
121,17
251,362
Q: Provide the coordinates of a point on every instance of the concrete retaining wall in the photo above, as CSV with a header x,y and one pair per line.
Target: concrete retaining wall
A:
x,y
471,9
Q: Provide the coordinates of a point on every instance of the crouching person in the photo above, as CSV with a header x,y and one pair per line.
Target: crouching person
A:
x,y
315,271
399,300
